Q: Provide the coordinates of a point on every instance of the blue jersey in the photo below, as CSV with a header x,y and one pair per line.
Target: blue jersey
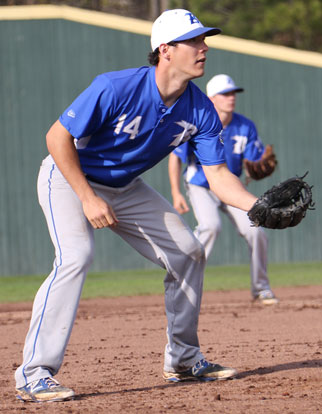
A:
x,y
122,127
240,141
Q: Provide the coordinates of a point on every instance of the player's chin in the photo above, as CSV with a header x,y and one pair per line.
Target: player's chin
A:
x,y
199,70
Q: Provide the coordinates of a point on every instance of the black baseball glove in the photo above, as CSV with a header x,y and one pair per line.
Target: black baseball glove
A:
x,y
284,205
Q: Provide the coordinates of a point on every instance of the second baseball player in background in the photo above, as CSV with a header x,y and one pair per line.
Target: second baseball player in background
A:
x,y
241,143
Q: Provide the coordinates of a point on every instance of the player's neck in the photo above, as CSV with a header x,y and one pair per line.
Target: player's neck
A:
x,y
170,85
225,118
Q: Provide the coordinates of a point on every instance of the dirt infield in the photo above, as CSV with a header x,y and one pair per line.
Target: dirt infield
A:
x,y
115,356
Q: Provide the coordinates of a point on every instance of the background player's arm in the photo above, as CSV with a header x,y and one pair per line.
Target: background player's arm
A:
x,y
174,169
61,146
227,187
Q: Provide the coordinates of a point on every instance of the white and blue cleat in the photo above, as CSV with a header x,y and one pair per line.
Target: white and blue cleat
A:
x,y
44,390
201,371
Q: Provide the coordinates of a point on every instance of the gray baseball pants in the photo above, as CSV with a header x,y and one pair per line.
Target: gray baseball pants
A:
x,y
150,225
206,207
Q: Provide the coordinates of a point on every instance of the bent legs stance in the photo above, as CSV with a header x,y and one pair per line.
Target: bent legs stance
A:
x,y
206,207
151,226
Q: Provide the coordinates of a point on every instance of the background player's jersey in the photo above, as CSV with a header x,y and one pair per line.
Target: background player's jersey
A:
x,y
122,127
240,141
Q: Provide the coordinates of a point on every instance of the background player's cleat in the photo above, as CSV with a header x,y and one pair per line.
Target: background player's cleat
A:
x,y
266,297
201,371
45,389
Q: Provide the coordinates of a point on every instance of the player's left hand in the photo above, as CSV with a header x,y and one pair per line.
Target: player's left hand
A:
x,y
284,205
262,168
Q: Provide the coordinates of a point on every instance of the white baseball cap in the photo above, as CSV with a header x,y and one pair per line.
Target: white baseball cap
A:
x,y
220,84
178,25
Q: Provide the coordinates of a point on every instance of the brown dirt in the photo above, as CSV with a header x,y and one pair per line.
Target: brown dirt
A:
x,y
115,356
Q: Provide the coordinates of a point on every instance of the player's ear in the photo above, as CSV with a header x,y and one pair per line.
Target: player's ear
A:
x,y
164,51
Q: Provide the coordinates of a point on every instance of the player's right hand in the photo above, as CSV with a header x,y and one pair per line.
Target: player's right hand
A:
x,y
99,213
180,204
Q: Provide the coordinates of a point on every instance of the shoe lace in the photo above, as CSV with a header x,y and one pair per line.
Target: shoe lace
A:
x,y
51,382
203,363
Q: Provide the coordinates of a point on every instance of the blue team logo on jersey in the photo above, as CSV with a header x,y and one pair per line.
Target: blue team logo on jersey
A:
x,y
193,19
185,135
239,144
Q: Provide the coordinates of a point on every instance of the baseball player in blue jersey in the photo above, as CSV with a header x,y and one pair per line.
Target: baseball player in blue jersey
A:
x,y
241,142
120,126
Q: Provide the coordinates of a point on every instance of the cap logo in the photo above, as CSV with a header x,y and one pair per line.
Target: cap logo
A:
x,y
193,19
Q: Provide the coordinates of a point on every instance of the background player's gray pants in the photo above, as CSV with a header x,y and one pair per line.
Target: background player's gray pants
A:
x,y
206,207
150,225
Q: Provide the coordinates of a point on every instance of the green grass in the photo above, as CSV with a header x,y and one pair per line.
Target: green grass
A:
x,y
150,281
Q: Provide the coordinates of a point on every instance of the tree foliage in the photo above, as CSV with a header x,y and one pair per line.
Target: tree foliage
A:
x,y
293,23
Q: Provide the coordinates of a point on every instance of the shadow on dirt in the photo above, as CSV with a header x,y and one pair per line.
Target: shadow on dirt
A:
x,y
314,363
135,390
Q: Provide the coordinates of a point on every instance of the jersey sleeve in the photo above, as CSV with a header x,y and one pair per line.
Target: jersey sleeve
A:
x,y
184,151
254,147
89,110
208,145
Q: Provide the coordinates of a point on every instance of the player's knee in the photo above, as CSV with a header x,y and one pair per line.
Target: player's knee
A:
x,y
80,258
197,250
212,230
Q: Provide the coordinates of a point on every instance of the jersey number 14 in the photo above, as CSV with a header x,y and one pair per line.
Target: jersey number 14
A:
x,y
131,128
